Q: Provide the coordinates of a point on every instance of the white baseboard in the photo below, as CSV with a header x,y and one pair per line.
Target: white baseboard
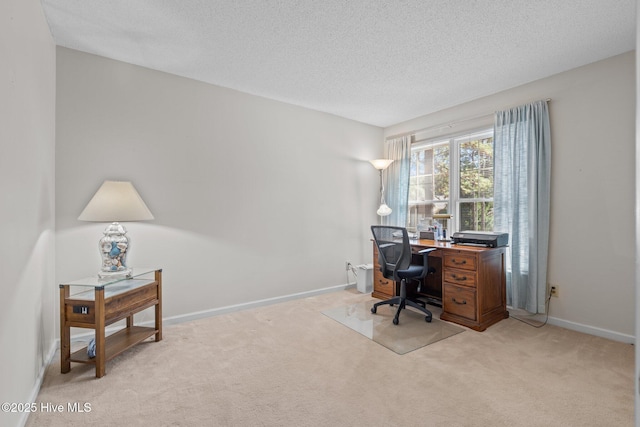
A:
x,y
592,330
173,320
33,396
578,327
252,304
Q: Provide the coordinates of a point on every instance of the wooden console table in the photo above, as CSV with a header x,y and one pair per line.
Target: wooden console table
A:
x,y
469,283
95,303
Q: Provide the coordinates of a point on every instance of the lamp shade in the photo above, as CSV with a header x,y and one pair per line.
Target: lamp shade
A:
x,y
384,210
381,164
116,201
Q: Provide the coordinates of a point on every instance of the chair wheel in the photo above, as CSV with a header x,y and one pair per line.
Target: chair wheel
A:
x,y
427,319
395,321
373,310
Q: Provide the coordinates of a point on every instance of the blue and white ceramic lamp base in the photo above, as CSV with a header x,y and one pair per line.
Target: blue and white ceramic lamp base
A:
x,y
114,247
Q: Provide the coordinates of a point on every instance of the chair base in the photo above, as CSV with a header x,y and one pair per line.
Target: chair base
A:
x,y
403,302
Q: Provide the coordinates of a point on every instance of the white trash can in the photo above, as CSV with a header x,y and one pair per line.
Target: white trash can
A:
x,y
364,280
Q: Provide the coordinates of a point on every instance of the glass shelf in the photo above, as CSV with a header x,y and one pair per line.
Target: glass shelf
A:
x,y
97,282
83,289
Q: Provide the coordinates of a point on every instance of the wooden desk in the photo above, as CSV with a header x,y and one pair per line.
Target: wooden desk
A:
x,y
470,282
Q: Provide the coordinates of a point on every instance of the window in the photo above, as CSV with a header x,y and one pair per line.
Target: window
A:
x,y
452,176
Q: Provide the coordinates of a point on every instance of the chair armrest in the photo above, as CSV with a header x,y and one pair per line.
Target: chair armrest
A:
x,y
426,251
425,261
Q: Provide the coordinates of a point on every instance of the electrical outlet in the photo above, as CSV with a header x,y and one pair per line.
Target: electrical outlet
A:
x,y
347,264
555,291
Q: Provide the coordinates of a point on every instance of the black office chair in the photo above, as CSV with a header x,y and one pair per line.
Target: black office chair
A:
x,y
394,257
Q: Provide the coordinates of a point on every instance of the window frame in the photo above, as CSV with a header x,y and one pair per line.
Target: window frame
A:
x,y
454,141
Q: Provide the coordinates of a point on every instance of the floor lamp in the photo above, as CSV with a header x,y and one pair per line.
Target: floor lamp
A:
x,y
381,165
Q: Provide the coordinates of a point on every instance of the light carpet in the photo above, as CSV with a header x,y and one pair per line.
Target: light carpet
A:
x,y
289,365
412,332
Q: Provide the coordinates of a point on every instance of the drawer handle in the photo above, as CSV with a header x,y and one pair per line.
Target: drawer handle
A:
x,y
455,261
458,302
461,279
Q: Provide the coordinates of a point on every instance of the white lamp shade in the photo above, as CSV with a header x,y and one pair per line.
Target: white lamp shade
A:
x,y
384,210
116,201
381,164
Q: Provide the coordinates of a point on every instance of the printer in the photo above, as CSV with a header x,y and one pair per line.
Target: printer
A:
x,y
490,239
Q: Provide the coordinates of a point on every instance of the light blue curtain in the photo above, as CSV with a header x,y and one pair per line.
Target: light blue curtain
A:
x,y
397,174
522,168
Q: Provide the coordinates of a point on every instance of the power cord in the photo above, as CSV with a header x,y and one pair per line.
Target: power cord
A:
x,y
538,325
353,270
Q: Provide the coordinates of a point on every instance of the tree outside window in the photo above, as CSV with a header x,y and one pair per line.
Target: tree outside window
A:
x,y
452,176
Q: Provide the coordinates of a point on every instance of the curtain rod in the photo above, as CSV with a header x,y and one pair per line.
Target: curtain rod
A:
x,y
445,125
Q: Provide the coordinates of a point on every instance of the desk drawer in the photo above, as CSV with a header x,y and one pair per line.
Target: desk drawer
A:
x,y
459,300
383,285
457,260
460,277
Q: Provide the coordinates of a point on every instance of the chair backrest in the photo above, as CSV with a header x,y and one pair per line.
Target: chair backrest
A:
x,y
394,249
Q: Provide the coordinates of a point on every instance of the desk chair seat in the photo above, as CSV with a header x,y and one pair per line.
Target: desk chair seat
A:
x,y
394,257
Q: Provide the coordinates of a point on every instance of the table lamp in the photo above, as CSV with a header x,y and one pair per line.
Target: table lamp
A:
x,y
382,164
115,201
445,218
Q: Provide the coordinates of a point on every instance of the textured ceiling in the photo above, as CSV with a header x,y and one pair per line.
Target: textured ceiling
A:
x,y
378,62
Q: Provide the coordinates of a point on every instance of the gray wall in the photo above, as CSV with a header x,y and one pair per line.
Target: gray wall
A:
x,y
253,198
27,130
637,222
591,254
256,199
